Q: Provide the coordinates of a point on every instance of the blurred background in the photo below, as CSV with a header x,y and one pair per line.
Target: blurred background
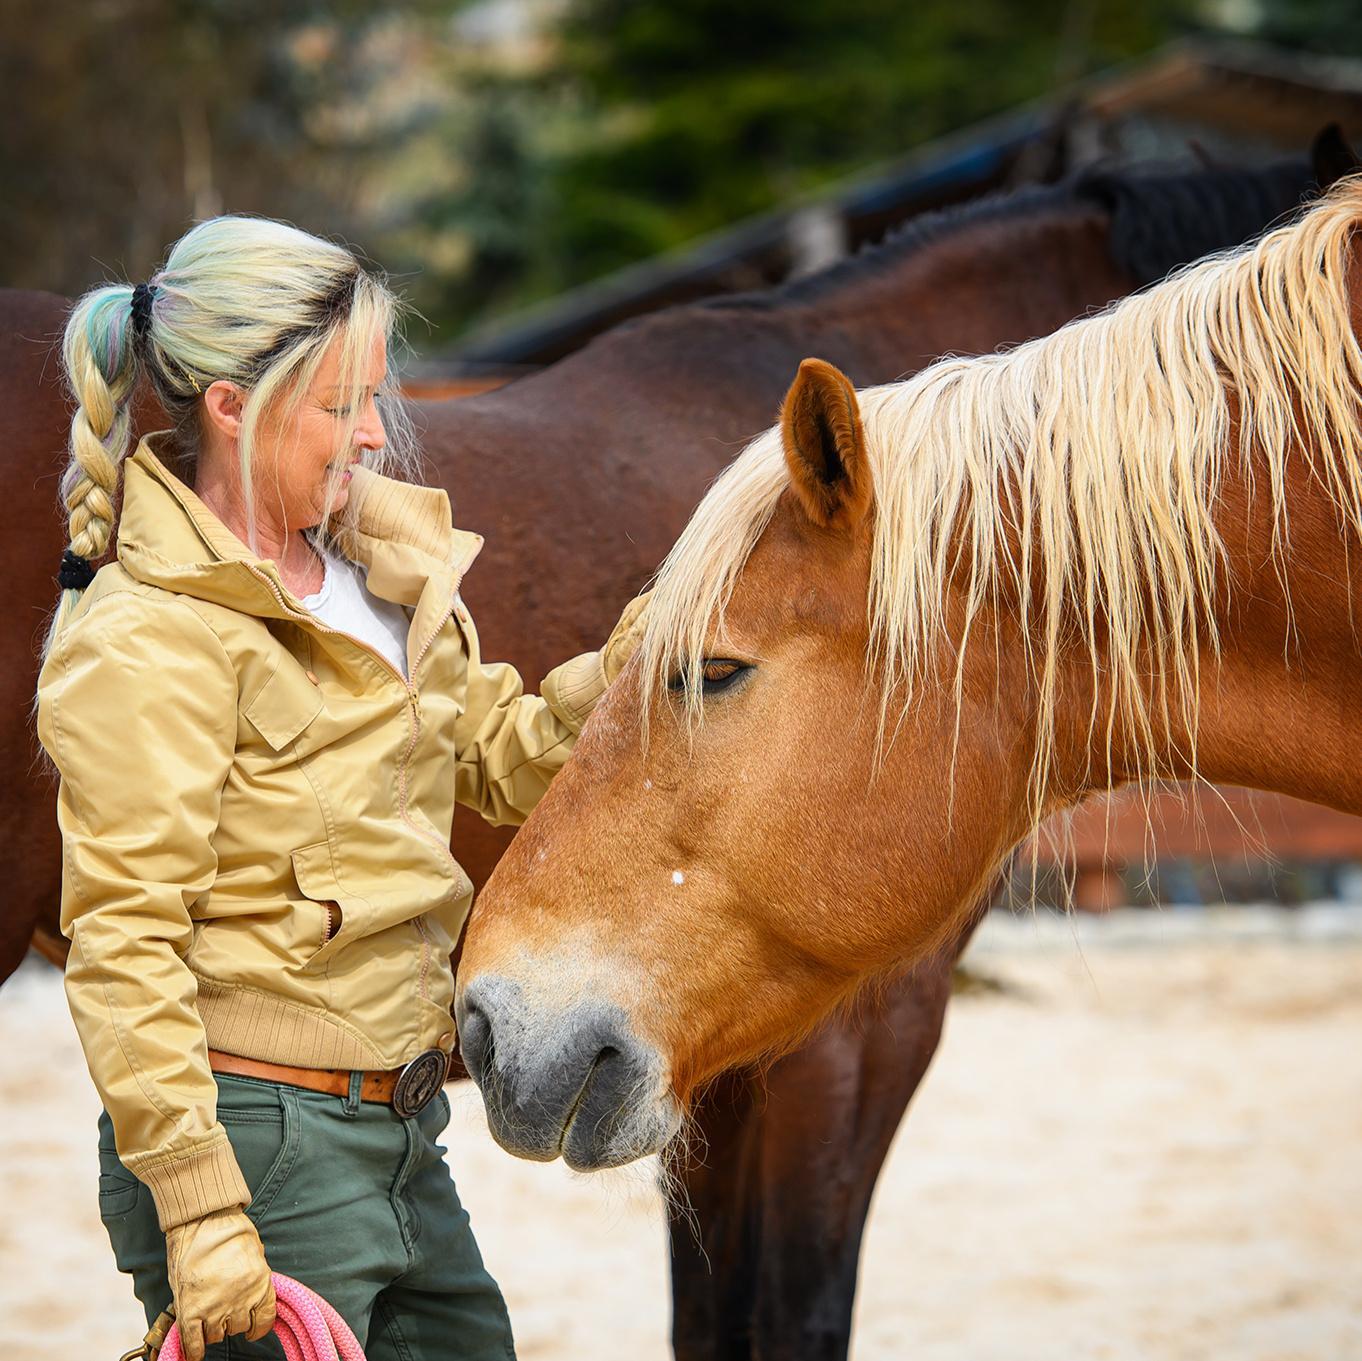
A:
x,y
498,154
1142,1147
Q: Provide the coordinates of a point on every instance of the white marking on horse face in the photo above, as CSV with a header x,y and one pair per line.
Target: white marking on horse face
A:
x,y
542,854
678,878
647,784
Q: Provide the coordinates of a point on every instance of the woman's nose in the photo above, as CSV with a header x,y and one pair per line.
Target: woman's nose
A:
x,y
370,434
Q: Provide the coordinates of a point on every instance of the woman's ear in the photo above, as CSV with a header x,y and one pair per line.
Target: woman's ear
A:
x,y
820,425
222,403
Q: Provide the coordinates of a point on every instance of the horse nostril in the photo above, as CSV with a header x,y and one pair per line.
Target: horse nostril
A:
x,y
567,1081
475,1038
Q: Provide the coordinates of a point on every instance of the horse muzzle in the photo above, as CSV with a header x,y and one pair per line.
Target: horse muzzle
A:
x,y
576,1082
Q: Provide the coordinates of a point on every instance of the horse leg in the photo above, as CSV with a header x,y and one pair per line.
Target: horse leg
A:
x,y
714,1223
831,1114
766,1224
779,1180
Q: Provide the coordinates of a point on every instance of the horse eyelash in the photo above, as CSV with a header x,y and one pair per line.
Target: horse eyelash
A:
x,y
678,682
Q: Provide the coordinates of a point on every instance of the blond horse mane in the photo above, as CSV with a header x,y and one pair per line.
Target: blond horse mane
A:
x,y
1075,475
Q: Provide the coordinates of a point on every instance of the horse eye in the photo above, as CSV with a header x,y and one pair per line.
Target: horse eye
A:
x,y
716,674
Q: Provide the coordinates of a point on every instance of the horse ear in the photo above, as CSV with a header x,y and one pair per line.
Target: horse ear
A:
x,y
1332,156
820,426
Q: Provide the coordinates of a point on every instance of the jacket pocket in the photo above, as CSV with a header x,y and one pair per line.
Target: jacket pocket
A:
x,y
283,707
346,914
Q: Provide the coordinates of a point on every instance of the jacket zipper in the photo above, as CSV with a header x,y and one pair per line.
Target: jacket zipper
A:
x,y
402,788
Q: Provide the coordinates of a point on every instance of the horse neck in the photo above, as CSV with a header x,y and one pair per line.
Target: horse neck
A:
x,y
1001,279
1280,701
978,285
1284,709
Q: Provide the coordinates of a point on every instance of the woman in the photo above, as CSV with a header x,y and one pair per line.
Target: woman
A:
x,y
263,711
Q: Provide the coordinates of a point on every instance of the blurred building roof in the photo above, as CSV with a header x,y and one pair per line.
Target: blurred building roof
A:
x,y
1226,100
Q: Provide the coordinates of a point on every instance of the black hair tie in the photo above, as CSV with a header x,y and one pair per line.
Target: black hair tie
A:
x,y
142,297
76,573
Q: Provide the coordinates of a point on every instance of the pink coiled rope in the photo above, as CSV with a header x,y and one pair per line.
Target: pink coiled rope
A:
x,y
308,1327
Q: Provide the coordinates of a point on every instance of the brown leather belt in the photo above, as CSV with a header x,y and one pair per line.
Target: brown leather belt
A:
x,y
408,1089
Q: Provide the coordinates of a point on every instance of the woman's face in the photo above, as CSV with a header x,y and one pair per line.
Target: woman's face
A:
x,y
303,468
301,458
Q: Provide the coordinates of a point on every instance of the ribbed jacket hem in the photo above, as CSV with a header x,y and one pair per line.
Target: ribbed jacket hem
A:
x,y
189,1185
260,1025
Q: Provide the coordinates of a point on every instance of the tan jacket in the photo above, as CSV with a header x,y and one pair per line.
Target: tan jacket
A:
x,y
256,809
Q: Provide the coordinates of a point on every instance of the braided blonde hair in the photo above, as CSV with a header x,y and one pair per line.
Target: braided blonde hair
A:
x,y
246,299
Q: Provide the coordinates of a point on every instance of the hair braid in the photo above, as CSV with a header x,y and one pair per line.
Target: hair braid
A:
x,y
99,438
101,367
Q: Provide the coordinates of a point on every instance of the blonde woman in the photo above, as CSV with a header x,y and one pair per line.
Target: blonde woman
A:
x,y
262,711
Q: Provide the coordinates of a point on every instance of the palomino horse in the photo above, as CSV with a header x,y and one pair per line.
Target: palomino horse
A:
x,y
781,1198
903,628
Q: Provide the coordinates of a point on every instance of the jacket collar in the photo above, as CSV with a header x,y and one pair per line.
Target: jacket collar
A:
x,y
398,531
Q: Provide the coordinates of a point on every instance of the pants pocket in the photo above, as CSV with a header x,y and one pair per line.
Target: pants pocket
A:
x,y
264,1125
118,1188
129,1217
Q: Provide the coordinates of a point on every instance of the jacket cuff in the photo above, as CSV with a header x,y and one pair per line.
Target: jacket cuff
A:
x,y
194,1182
571,690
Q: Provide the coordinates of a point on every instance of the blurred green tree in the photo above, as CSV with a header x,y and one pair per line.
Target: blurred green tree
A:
x,y
129,119
654,121
722,109
1331,27
494,152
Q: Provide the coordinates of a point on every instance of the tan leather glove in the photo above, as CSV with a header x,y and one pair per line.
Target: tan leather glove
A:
x,y
573,688
221,1280
625,637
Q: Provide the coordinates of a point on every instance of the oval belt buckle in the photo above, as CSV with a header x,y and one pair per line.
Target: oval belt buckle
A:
x,y
419,1081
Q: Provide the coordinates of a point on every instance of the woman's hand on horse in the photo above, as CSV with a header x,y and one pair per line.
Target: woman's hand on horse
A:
x,y
220,1280
625,636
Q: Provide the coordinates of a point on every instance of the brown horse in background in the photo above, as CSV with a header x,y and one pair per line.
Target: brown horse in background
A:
x,y
581,477
906,626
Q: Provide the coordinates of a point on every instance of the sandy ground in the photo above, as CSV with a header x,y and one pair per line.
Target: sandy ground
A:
x,y
1150,1148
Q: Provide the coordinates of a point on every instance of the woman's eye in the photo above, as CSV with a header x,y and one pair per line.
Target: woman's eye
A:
x,y
379,399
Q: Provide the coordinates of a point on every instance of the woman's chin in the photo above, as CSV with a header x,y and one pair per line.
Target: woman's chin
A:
x,y
334,499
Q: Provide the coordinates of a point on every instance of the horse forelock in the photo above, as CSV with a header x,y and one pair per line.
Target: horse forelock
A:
x,y
1076,477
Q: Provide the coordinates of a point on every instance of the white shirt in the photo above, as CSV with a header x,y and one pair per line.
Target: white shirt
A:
x,y
345,603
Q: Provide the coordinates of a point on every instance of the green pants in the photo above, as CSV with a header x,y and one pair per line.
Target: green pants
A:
x,y
349,1198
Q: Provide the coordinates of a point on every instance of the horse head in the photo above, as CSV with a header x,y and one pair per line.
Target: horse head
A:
x,y
735,799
